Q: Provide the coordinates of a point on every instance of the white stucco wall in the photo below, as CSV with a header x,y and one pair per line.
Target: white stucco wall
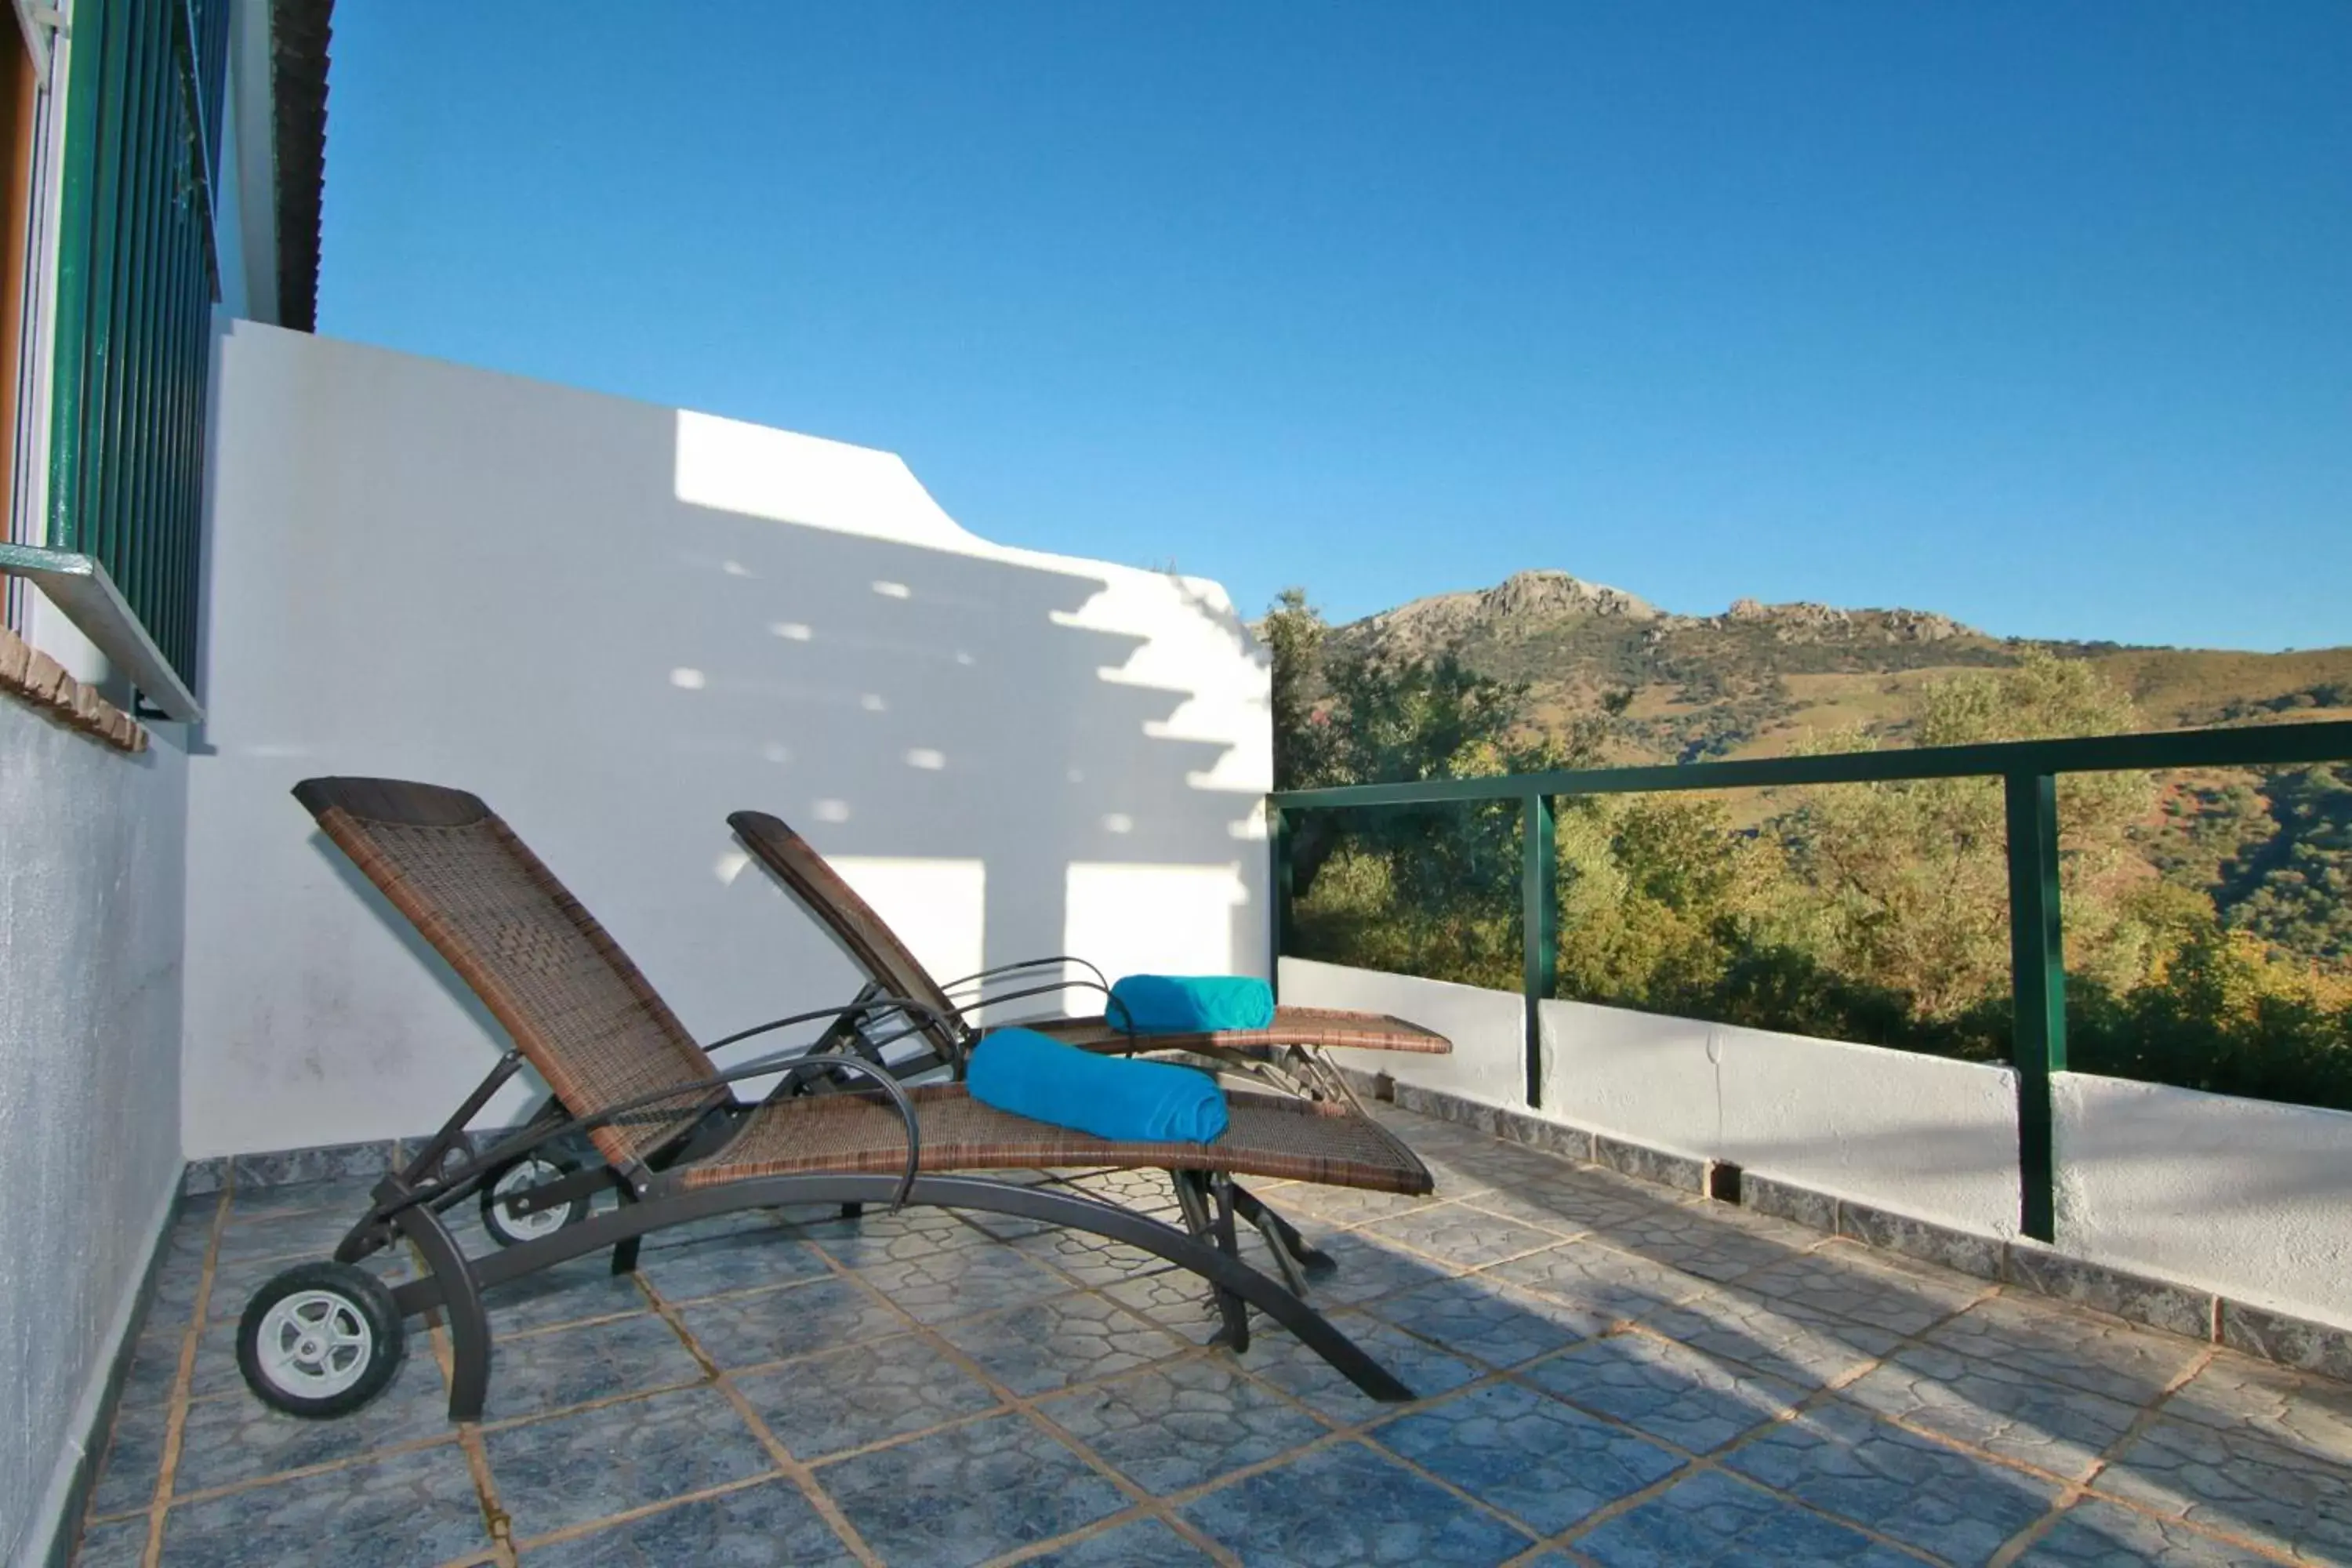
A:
x,y
2235,1195
1488,1060
616,623
90,1081
2239,1196
1922,1135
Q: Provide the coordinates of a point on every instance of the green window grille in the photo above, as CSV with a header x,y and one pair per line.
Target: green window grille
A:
x,y
137,275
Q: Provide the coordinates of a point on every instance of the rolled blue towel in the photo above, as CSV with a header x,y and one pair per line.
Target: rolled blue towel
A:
x,y
1190,1004
1117,1098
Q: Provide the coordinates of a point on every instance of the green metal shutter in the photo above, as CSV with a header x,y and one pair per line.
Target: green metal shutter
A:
x,y
137,275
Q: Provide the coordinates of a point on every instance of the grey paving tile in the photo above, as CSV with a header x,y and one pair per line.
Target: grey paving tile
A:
x,y
347,1194
1529,1456
1844,1282
1055,1343
975,1491
1560,1199
311,1234
237,1439
1178,1301
1145,1544
2235,1482
571,1292
1605,1285
963,1282
1283,1359
1088,1258
1480,1315
1183,1424
745,1260
2047,1342
1848,1463
1803,1347
415,1507
1367,1270
878,1237
123,1544
2310,1414
1350,1206
1992,1406
759,1326
1665,1390
769,1524
214,1370
134,1458
155,1366
1465,1236
1706,1240
2096,1535
1711,1520
574,1468
1146,1192
1345,1505
846,1399
533,1374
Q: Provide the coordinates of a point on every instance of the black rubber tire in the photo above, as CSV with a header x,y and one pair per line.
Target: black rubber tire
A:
x,y
367,1296
495,1219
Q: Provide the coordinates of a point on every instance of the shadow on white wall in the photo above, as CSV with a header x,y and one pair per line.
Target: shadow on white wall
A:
x,y
617,623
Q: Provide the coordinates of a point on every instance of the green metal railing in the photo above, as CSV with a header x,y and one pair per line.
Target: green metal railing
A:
x,y
137,275
2029,771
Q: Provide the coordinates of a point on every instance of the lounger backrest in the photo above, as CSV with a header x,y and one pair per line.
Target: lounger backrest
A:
x,y
872,945
564,990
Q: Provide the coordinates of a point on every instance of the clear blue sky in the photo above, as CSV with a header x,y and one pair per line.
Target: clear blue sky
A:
x,y
2038,315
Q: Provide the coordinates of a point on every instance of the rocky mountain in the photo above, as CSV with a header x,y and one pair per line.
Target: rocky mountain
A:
x,y
1753,679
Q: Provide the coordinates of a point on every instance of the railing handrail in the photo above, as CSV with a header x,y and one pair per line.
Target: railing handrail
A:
x,y
2254,745
2029,771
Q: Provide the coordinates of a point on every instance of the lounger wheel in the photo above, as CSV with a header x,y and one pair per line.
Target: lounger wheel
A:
x,y
508,1228
320,1340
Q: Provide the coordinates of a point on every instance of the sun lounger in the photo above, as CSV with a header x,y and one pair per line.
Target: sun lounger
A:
x,y
669,1134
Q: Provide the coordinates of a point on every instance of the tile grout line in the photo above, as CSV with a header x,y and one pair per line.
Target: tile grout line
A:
x,y
1713,1459
496,1521
176,1417
1027,1406
792,1469
2078,1489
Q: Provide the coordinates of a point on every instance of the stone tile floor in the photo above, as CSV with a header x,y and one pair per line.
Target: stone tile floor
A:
x,y
1610,1373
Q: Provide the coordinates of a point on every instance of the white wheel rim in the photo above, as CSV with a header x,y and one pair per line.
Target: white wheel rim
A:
x,y
540,1222
315,1343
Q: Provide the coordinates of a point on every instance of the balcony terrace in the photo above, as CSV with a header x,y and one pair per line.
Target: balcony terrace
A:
x,y
1610,1371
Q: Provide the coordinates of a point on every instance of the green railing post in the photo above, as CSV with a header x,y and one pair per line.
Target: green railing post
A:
x,y
1539,924
1278,920
2037,961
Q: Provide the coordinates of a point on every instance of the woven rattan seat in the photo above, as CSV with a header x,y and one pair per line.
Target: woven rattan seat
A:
x,y
1270,1136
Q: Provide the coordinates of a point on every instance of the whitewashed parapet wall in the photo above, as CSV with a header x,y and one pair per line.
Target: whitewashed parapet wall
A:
x,y
2241,1197
617,623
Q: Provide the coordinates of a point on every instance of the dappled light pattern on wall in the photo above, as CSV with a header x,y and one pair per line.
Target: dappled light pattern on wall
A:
x,y
617,623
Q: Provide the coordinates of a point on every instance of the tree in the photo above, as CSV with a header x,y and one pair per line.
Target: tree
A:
x,y
1911,877
1293,632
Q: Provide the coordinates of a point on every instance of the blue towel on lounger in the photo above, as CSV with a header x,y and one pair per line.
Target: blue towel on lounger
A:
x,y
1117,1098
1190,1004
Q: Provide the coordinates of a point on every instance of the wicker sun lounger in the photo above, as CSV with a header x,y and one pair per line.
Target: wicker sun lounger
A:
x,y
1288,1053
678,1145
